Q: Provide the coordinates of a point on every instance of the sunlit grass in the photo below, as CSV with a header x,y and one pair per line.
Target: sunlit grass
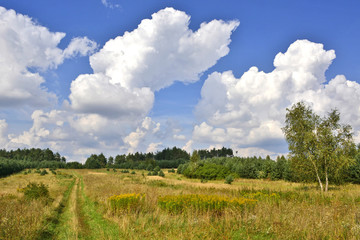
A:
x,y
280,210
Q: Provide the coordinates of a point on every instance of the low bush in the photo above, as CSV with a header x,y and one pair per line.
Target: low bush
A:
x,y
161,173
229,179
35,191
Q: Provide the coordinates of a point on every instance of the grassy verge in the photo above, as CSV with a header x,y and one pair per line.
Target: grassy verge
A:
x,y
97,226
48,231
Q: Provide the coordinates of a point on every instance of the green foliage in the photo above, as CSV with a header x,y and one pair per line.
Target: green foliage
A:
x,y
171,170
11,166
207,171
43,172
133,172
92,162
229,179
195,157
161,173
74,165
35,191
223,152
353,172
320,148
32,155
172,154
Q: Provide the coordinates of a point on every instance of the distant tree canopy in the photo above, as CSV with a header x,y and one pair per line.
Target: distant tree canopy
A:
x,y
33,155
172,154
14,161
321,149
244,167
223,152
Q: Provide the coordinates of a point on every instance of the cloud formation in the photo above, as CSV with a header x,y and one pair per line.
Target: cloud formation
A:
x,y
26,50
161,50
250,110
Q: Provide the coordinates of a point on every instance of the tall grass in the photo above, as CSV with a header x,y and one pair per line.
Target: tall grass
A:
x,y
131,202
203,203
22,216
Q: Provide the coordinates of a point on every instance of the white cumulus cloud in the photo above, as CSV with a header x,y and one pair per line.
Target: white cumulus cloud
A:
x,y
250,110
161,50
26,50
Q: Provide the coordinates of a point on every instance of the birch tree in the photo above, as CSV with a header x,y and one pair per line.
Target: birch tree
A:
x,y
320,148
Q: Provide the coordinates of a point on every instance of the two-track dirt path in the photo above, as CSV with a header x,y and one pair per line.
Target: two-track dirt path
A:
x,y
81,218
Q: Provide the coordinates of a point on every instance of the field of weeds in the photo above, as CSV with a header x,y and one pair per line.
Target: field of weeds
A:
x,y
100,204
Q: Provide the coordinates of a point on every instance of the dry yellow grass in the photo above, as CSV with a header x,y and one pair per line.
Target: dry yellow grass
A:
x,y
297,212
21,219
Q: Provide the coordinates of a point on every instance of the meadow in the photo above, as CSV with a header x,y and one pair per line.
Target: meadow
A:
x,y
108,204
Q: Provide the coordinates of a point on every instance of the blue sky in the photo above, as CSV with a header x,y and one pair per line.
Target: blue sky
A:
x,y
183,83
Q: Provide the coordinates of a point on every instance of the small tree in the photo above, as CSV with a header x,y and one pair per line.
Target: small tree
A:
x,y
319,147
195,157
229,179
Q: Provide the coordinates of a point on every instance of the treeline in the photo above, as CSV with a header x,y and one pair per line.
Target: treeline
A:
x,y
167,158
14,161
222,152
259,168
244,167
32,155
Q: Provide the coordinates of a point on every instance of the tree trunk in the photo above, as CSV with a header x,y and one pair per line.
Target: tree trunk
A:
x,y
327,181
320,183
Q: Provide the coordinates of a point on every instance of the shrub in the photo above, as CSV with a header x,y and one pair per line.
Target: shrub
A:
x,y
161,173
202,203
207,171
126,202
229,179
133,172
35,191
43,172
171,170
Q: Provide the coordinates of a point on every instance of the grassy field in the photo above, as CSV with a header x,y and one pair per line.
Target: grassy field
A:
x,y
152,207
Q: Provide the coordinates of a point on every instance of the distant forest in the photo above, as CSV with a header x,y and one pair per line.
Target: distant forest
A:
x,y
202,164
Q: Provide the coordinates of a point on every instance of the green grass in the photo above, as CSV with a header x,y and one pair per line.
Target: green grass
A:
x,y
99,227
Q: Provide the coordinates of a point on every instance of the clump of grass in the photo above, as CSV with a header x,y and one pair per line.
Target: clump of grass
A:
x,y
202,203
130,202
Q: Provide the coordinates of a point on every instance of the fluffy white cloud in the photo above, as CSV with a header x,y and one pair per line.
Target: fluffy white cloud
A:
x,y
250,111
93,93
3,133
154,147
27,49
188,146
138,137
129,68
